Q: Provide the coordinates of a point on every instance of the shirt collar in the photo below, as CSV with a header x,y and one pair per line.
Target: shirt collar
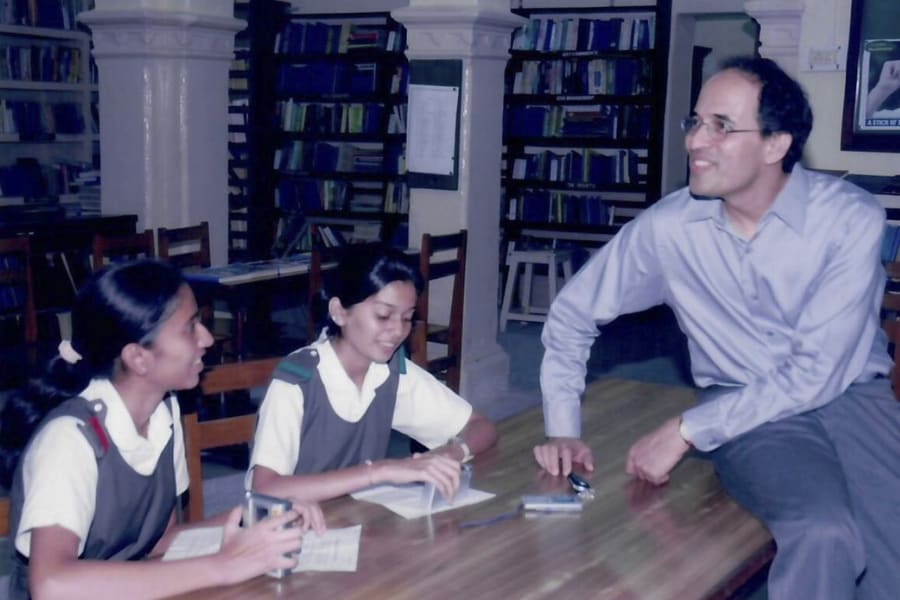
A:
x,y
336,380
789,206
138,451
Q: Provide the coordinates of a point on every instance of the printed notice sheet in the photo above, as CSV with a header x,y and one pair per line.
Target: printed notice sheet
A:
x,y
431,132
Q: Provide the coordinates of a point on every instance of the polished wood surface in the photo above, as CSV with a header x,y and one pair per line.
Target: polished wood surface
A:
x,y
685,540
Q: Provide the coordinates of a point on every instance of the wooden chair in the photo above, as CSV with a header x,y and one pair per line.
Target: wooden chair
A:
x,y
188,249
108,249
217,433
17,286
326,248
890,311
185,247
4,517
446,366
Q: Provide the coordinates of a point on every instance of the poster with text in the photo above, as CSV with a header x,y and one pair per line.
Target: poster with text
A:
x,y
879,106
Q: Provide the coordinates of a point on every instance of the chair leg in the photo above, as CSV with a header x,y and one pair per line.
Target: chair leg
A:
x,y
525,300
552,269
511,276
567,269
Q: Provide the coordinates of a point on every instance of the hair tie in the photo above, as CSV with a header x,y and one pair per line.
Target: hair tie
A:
x,y
68,353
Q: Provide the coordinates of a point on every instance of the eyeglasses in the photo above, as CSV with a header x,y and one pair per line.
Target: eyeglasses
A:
x,y
717,130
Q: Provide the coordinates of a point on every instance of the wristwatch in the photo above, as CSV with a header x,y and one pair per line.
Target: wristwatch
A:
x,y
467,453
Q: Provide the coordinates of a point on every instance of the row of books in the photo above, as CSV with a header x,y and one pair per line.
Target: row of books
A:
x,y
578,34
578,77
330,78
629,121
55,14
336,117
396,197
543,206
28,179
337,157
40,120
586,166
58,64
12,296
311,196
316,37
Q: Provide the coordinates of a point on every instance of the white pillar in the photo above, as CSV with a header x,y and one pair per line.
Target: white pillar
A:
x,y
163,69
478,33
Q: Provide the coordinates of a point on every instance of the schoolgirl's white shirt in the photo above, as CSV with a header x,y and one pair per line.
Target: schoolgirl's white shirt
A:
x,y
426,409
60,468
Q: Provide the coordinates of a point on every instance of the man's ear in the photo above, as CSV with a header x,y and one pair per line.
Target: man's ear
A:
x,y
336,311
134,358
777,146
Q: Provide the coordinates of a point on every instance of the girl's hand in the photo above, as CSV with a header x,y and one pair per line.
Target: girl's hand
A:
x,y
246,553
310,517
440,470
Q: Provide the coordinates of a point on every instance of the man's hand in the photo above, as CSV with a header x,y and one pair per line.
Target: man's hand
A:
x,y
653,456
563,452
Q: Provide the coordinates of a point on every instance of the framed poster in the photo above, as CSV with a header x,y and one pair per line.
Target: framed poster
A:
x,y
871,120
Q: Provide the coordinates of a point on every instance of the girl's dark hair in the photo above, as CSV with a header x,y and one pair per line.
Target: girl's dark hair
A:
x,y
783,106
362,271
122,304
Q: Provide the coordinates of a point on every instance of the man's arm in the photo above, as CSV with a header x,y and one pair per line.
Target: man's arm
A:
x,y
623,277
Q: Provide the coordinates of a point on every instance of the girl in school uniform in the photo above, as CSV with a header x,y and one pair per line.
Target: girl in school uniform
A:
x,y
327,415
95,488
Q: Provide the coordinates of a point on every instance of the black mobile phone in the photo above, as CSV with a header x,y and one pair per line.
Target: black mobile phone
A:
x,y
579,484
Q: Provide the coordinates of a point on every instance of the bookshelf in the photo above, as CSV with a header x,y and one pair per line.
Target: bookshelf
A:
x,y
585,93
48,104
250,130
340,111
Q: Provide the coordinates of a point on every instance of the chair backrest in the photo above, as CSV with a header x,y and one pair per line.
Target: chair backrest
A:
x,y
216,433
116,248
4,516
890,310
17,285
184,247
433,267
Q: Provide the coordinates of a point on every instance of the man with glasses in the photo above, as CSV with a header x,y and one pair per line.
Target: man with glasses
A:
x,y
773,273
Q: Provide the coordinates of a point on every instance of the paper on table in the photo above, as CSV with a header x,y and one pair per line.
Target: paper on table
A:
x,y
190,543
334,550
407,500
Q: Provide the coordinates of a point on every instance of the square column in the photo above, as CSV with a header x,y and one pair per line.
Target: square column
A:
x,y
164,112
478,34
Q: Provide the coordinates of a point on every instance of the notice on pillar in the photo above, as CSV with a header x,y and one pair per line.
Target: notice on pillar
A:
x,y
431,129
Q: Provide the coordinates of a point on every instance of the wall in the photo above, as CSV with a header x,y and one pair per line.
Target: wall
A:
x,y
826,23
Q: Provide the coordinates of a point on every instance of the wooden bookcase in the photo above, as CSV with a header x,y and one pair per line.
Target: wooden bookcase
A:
x,y
340,111
48,103
584,103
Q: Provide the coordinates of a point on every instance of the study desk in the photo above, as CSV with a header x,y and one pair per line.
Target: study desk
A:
x,y
686,540
241,285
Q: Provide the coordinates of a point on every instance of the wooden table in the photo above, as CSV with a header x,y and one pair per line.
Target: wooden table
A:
x,y
686,540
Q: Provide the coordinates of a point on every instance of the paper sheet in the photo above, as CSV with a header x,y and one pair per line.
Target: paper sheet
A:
x,y
431,126
409,501
334,550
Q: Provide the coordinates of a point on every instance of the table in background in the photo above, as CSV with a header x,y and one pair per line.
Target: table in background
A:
x,y
685,540
247,288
